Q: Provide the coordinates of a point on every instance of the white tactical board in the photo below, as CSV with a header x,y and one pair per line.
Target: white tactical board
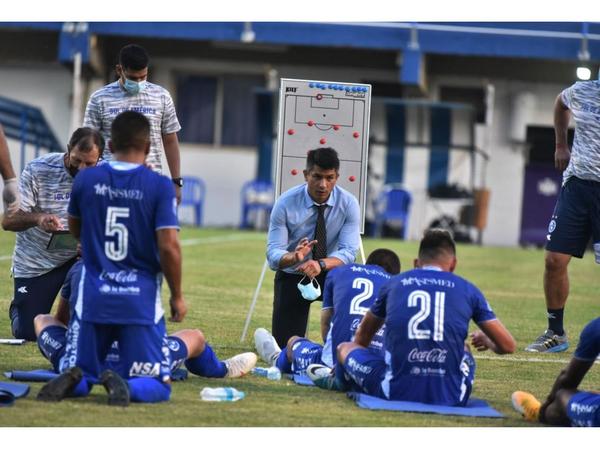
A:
x,y
315,114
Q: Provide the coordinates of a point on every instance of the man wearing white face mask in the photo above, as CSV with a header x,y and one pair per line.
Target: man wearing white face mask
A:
x,y
133,92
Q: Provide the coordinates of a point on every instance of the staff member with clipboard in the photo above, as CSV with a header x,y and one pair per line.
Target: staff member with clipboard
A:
x,y
44,251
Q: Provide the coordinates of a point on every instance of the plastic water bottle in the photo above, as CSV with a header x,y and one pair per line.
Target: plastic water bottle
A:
x,y
221,394
271,373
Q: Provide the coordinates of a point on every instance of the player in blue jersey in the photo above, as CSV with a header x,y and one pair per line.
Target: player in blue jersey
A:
x,y
566,405
349,292
426,312
125,217
187,347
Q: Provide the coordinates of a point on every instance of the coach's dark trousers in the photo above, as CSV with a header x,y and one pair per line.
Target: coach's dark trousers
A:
x,y
290,309
33,296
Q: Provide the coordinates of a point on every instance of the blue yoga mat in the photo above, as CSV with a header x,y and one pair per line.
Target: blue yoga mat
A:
x,y
31,375
47,375
17,389
302,380
475,407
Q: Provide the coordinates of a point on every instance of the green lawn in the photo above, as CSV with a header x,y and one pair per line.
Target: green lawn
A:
x,y
221,269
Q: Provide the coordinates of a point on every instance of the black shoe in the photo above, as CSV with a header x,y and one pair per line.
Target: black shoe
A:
x,y
116,388
60,387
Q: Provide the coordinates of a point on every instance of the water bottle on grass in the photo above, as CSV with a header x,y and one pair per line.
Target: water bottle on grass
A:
x,y
221,394
271,373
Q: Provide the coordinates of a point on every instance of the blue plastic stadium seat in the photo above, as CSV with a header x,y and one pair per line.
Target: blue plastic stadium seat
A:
x,y
192,194
256,196
392,206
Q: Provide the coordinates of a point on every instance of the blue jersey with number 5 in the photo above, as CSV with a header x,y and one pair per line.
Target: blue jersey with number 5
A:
x,y
121,206
427,314
350,290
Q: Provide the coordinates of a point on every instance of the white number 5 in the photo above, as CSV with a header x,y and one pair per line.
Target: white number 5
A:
x,y
116,251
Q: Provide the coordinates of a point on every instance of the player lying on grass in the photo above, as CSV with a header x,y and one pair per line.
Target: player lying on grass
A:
x,y
348,293
566,405
426,312
187,347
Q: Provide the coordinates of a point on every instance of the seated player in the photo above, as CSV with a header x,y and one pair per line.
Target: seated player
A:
x,y
348,293
187,347
566,405
426,312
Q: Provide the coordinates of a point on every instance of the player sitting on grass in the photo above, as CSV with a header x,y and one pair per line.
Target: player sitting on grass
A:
x,y
426,312
348,293
566,405
187,347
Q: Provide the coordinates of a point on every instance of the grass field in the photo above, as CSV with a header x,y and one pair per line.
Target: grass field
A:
x,y
221,269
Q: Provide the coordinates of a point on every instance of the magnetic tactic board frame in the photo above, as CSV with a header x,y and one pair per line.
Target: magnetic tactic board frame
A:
x,y
315,114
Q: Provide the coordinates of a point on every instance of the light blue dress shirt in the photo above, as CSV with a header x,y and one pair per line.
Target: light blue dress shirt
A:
x,y
294,217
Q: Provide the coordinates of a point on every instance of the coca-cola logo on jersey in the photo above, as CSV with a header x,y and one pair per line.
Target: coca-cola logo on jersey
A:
x,y
122,276
435,355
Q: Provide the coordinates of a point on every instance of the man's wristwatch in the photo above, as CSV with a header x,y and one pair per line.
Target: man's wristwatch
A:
x,y
322,265
178,181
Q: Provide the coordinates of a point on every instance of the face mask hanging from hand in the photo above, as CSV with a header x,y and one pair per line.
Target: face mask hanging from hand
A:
x,y
310,291
133,87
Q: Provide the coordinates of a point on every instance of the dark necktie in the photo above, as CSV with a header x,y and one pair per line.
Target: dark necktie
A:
x,y
320,248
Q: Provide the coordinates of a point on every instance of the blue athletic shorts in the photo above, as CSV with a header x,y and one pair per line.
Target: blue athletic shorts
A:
x,y
583,409
52,342
305,353
367,368
143,349
575,219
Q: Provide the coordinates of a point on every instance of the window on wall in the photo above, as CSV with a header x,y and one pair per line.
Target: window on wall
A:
x,y
218,110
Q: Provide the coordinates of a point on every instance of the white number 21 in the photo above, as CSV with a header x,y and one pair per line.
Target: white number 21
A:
x,y
423,300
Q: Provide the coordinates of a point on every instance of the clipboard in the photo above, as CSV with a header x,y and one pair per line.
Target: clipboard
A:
x,y
62,240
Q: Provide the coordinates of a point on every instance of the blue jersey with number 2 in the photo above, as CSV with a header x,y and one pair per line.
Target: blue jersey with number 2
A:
x,y
121,206
427,314
350,290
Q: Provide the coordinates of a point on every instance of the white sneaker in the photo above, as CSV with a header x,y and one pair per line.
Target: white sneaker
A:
x,y
266,346
240,365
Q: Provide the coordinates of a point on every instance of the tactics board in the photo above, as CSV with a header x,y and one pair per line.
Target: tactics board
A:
x,y
315,114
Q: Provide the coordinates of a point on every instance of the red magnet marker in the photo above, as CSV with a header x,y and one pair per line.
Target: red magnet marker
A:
x,y
336,127
352,178
294,172
319,96
355,134
322,141
311,123
291,131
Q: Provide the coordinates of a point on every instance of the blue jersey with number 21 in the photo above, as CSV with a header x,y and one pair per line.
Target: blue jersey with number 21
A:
x,y
121,206
427,314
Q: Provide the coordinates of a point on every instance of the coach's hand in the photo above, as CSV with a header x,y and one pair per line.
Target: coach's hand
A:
x,y
562,155
49,223
10,195
178,309
310,268
303,248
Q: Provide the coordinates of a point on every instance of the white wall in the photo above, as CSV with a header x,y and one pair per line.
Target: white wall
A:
x,y
225,170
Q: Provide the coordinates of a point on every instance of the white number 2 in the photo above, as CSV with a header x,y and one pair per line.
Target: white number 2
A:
x,y
367,286
116,251
423,300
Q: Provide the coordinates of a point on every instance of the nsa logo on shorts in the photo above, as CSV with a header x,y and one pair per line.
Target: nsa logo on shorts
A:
x,y
552,226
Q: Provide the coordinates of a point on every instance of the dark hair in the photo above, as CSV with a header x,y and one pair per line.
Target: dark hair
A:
x,y
130,130
386,259
324,157
133,57
435,243
84,139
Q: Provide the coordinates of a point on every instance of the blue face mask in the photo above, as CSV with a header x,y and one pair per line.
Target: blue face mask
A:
x,y
310,291
133,87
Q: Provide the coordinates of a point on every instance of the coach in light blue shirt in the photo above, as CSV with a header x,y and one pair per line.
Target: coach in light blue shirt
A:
x,y
313,228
